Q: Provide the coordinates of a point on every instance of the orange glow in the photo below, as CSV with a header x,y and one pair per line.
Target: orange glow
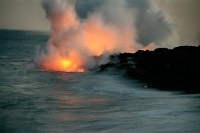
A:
x,y
149,47
75,42
56,63
98,37
65,63
69,66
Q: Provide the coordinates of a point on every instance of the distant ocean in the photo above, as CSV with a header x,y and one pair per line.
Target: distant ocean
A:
x,y
91,102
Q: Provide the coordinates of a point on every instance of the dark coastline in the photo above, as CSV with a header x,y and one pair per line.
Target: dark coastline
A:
x,y
176,69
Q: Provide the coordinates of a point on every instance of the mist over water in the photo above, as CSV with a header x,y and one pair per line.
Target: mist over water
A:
x,y
37,101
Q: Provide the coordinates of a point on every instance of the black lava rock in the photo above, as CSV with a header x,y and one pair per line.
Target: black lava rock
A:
x,y
169,69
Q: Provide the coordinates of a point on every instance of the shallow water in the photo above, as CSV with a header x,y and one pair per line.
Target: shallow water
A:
x,y
56,102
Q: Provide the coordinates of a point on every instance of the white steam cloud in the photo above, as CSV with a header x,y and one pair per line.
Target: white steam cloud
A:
x,y
150,23
99,27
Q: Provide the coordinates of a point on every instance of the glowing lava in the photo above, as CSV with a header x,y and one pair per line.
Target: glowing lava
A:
x,y
65,63
69,66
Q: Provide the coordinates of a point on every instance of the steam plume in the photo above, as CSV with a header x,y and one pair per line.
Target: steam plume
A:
x,y
98,27
151,23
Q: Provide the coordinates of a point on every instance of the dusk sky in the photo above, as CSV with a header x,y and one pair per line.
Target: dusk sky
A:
x,y
29,15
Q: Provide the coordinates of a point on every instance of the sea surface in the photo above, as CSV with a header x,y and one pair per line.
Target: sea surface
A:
x,y
91,102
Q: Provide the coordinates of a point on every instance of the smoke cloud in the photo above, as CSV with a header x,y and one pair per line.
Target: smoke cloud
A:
x,y
94,28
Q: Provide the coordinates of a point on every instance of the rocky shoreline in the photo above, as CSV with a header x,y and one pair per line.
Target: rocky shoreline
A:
x,y
175,69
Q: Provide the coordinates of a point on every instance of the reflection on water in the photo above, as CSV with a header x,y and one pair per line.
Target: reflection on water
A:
x,y
93,102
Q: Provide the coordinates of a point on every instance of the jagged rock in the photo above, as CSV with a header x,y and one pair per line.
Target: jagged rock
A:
x,y
169,69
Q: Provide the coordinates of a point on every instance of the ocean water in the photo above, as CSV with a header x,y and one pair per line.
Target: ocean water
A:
x,y
91,102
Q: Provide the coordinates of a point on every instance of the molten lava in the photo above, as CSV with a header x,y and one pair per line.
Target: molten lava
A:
x,y
55,62
65,63
70,66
